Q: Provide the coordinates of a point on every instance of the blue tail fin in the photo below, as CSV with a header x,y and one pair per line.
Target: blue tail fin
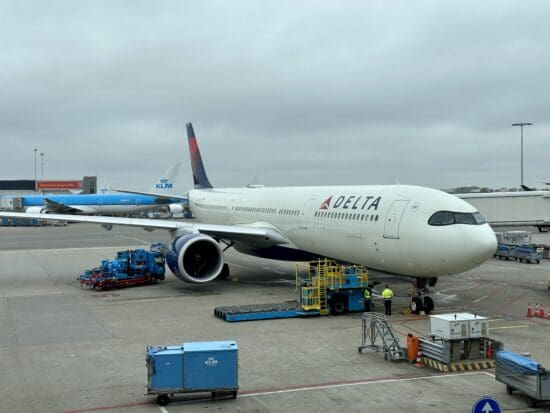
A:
x,y
200,180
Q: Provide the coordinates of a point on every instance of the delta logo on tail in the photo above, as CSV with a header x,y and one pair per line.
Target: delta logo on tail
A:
x,y
360,202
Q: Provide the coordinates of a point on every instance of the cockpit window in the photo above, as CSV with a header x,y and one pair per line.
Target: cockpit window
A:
x,y
451,218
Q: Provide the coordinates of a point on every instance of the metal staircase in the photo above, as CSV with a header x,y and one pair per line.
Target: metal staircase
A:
x,y
378,326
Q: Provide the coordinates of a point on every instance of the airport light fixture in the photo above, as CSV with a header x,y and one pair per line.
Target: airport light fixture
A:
x,y
35,167
41,165
522,124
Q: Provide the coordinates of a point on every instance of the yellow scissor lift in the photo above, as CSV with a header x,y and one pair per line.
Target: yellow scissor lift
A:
x,y
326,286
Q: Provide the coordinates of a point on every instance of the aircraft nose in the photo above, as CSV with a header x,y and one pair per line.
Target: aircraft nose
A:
x,y
481,243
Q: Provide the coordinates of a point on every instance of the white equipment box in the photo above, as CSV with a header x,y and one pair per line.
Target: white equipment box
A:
x,y
459,326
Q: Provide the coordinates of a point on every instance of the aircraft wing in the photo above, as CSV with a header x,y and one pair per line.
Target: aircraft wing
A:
x,y
61,208
258,236
161,199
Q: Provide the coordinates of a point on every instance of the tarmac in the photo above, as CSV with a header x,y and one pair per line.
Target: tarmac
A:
x,y
68,349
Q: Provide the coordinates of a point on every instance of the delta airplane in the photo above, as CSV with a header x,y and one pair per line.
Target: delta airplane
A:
x,y
410,231
121,203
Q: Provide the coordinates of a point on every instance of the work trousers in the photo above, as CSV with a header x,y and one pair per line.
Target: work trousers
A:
x,y
367,306
387,306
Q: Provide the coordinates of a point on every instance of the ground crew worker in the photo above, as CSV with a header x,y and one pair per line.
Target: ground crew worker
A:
x,y
387,295
367,300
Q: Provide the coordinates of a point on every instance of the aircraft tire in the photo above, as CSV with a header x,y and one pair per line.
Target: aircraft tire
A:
x,y
428,305
416,305
163,399
338,306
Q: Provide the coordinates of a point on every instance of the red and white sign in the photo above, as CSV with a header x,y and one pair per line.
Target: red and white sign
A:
x,y
52,185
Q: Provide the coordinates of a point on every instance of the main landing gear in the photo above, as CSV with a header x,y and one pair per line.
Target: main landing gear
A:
x,y
420,300
224,274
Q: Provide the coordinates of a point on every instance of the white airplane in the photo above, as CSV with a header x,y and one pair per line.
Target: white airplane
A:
x,y
405,230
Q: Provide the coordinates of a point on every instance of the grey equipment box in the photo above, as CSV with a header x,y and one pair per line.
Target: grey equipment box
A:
x,y
458,326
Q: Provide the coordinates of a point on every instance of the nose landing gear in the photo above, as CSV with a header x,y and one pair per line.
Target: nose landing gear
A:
x,y
420,300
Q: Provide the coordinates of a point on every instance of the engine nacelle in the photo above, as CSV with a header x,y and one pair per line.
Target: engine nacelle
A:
x,y
195,258
175,208
36,210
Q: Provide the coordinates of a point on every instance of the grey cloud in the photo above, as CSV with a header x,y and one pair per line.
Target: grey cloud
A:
x,y
301,92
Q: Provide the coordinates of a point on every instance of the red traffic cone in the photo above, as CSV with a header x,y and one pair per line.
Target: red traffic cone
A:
x,y
419,359
537,311
541,314
489,349
529,311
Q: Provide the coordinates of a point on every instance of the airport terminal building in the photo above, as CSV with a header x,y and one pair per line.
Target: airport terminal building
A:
x,y
86,185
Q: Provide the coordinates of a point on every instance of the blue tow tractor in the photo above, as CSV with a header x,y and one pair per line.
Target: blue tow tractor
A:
x,y
192,367
130,267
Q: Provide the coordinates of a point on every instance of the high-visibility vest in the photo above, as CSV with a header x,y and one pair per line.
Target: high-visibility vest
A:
x,y
387,294
367,295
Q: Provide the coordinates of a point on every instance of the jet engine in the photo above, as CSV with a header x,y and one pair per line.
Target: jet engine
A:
x,y
36,210
195,258
175,208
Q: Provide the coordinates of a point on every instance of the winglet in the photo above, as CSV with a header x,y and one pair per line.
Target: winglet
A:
x,y
200,180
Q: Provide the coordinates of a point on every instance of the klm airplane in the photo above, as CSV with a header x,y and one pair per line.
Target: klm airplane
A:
x,y
119,203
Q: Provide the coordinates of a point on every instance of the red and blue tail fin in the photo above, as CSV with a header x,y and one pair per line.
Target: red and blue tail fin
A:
x,y
200,180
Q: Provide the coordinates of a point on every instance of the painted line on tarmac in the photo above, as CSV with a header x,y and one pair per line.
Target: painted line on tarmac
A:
x,y
114,407
290,389
505,305
504,327
349,384
163,409
479,299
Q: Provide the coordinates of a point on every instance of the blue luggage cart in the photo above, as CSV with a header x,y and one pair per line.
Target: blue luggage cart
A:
x,y
524,374
193,367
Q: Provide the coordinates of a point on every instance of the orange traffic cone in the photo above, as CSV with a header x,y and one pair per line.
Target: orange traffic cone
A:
x,y
529,311
419,359
541,314
537,311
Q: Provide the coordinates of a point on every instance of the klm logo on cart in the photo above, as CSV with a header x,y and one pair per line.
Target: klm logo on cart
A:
x,y
164,184
211,362
360,202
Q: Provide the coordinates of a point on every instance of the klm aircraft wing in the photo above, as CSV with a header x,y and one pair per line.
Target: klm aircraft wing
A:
x,y
160,199
260,236
60,208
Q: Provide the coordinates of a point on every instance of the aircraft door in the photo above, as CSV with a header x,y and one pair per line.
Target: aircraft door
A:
x,y
305,221
393,220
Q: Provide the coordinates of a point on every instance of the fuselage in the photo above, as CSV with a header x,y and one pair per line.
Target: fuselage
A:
x,y
387,227
102,204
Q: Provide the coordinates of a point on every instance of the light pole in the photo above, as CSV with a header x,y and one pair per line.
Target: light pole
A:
x,y
35,166
41,165
522,124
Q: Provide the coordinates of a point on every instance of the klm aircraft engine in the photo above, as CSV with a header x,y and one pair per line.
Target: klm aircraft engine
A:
x,y
195,258
175,208
36,210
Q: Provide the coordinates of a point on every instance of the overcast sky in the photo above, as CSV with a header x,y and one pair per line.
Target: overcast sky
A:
x,y
299,92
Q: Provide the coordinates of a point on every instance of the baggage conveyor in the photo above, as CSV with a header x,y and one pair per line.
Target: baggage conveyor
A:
x,y
323,287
